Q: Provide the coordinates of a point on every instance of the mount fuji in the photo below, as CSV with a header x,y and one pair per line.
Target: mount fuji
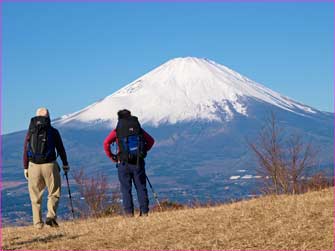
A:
x,y
183,90
200,114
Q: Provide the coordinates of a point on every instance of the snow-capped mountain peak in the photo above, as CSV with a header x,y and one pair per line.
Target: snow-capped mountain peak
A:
x,y
183,89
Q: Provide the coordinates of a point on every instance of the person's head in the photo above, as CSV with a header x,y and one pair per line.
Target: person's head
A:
x,y
43,112
122,114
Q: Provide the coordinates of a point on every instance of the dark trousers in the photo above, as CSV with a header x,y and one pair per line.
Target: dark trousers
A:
x,y
129,173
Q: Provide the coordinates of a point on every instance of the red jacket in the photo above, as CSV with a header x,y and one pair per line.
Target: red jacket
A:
x,y
112,138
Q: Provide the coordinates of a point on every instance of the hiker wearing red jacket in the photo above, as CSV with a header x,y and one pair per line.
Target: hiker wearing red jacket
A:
x,y
133,144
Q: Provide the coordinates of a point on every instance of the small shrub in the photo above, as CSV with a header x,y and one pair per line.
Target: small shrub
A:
x,y
316,182
167,205
95,192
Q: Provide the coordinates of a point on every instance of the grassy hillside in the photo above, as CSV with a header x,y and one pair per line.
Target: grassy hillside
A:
x,y
283,222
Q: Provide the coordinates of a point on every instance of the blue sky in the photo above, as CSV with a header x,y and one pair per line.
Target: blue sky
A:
x,y
66,56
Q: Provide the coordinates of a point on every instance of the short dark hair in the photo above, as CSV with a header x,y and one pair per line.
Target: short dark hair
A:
x,y
123,114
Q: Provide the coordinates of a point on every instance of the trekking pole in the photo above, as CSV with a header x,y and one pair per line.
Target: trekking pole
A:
x,y
68,188
155,194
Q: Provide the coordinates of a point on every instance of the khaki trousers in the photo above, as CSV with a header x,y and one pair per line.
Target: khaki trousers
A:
x,y
39,177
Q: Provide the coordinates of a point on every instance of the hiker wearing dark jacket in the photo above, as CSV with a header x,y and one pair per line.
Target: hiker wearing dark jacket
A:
x,y
41,168
130,170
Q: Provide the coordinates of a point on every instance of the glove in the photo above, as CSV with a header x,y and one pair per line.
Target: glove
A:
x,y
114,158
26,173
66,168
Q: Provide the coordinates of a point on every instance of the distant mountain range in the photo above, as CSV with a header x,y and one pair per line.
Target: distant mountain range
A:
x,y
200,114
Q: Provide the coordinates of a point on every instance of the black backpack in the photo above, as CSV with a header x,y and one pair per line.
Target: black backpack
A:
x,y
41,146
130,139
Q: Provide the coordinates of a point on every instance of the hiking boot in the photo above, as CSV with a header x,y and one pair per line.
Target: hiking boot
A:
x,y
39,225
143,214
51,222
128,215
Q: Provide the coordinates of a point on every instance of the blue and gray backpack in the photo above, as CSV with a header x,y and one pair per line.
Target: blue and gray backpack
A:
x,y
130,139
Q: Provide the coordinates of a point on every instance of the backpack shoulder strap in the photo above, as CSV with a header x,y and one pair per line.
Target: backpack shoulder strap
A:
x,y
51,137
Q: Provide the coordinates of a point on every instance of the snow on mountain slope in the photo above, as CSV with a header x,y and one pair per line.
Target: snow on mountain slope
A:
x,y
183,89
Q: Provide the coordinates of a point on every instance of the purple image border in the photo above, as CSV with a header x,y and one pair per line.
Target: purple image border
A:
x,y
139,1
1,109
170,1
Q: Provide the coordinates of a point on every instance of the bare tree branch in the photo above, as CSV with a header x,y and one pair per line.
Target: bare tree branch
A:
x,y
281,164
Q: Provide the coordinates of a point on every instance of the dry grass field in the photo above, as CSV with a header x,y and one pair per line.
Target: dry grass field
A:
x,y
300,222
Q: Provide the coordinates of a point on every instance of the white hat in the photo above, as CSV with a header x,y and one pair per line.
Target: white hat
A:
x,y
42,111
